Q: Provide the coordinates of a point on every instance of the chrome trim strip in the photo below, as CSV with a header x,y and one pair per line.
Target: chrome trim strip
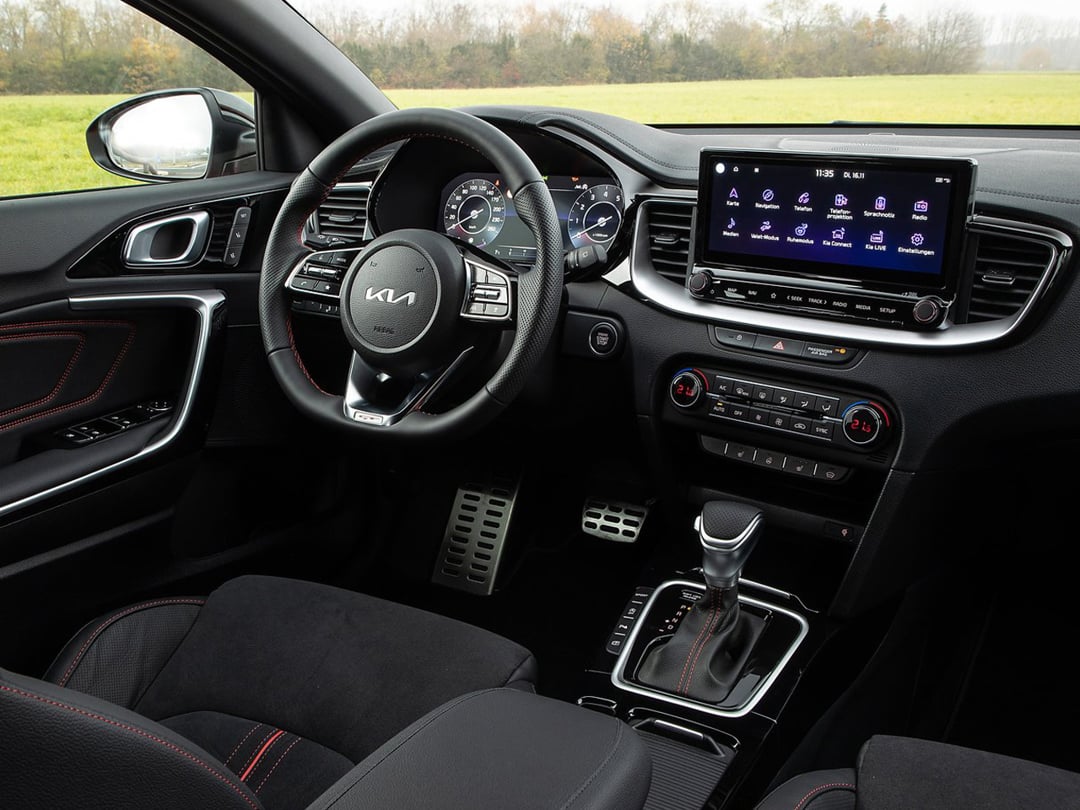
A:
x,y
204,304
137,245
724,543
425,387
618,675
659,290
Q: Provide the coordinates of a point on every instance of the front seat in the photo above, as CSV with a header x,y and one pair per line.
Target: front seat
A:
x,y
901,773
262,694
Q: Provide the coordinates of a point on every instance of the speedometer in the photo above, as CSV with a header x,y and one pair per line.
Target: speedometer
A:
x,y
475,212
595,216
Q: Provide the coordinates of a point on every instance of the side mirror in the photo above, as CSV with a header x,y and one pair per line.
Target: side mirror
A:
x,y
175,135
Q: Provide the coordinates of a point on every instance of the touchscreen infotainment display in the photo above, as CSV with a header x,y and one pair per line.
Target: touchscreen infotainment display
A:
x,y
893,220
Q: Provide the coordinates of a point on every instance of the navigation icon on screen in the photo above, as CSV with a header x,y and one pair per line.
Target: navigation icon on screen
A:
x,y
733,195
841,200
922,206
877,238
838,234
767,195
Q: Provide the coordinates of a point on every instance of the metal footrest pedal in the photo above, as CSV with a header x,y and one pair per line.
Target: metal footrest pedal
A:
x,y
475,535
613,520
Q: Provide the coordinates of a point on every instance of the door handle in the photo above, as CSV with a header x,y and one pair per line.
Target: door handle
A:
x,y
176,241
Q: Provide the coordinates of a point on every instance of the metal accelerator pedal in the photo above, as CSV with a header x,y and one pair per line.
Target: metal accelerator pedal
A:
x,y
475,534
613,520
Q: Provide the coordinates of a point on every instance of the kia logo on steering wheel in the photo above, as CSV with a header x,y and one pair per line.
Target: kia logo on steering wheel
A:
x,y
386,295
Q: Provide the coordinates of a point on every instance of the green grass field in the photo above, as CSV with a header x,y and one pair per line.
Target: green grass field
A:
x,y
44,147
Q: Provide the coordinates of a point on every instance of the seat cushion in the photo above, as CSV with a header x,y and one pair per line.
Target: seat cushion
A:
x,y
819,790
288,683
896,773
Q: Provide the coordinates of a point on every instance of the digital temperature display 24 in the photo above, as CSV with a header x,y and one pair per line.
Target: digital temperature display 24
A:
x,y
890,219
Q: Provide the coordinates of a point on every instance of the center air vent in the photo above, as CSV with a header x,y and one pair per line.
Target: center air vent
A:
x,y
344,213
669,223
1007,271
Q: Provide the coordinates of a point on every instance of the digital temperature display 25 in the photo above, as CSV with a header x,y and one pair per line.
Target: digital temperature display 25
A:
x,y
897,220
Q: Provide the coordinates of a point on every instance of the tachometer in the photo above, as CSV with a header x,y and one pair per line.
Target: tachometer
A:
x,y
595,216
475,212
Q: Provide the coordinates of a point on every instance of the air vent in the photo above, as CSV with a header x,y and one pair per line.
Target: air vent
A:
x,y
669,223
1007,271
344,213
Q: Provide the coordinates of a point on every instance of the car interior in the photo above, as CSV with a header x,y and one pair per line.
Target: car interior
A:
x,y
533,457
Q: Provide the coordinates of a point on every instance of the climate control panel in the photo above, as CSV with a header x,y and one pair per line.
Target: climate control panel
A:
x,y
844,421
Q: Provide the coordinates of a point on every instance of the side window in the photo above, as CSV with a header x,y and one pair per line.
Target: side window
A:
x,y
63,63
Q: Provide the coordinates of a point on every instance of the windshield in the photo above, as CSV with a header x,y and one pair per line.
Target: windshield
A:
x,y
691,61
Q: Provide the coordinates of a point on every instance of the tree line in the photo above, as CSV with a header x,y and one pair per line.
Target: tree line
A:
x,y
103,46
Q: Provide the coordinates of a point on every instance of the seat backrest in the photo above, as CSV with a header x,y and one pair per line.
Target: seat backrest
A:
x,y
63,749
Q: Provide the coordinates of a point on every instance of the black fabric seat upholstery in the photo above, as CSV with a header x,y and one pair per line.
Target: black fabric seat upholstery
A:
x,y
261,695
900,773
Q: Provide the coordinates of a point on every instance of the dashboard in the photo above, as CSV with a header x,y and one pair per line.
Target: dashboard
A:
x,y
836,334
479,210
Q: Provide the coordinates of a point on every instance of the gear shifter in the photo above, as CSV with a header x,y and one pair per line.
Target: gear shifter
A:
x,y
705,656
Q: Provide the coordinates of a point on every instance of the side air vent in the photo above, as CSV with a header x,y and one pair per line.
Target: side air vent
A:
x,y
344,213
669,223
1007,271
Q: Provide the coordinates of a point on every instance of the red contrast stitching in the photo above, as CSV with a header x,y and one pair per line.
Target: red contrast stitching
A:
x,y
274,768
140,732
32,324
258,748
254,728
266,747
690,652
822,789
81,340
85,400
105,624
714,620
299,362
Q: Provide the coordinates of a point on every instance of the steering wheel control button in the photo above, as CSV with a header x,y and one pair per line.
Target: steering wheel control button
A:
x,y
302,284
489,293
603,339
687,388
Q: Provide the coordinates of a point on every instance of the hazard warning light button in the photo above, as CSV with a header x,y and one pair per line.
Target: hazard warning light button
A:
x,y
778,345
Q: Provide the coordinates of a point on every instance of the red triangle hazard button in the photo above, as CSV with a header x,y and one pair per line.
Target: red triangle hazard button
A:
x,y
779,346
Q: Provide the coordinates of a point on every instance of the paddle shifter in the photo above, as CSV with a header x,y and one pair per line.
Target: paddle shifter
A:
x,y
704,657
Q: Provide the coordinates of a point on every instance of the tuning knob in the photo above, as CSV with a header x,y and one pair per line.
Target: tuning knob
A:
x,y
926,310
866,423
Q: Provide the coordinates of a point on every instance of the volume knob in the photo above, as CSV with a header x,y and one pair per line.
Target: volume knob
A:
x,y
699,281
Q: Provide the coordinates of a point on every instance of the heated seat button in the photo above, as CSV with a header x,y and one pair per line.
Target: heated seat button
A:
x,y
799,466
740,452
769,458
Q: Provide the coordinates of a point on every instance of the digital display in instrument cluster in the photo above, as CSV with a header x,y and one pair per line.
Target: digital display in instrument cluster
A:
x,y
479,210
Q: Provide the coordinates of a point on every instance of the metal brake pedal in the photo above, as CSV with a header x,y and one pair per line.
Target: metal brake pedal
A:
x,y
475,534
613,520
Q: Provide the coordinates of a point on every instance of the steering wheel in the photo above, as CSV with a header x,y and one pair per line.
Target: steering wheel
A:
x,y
413,303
